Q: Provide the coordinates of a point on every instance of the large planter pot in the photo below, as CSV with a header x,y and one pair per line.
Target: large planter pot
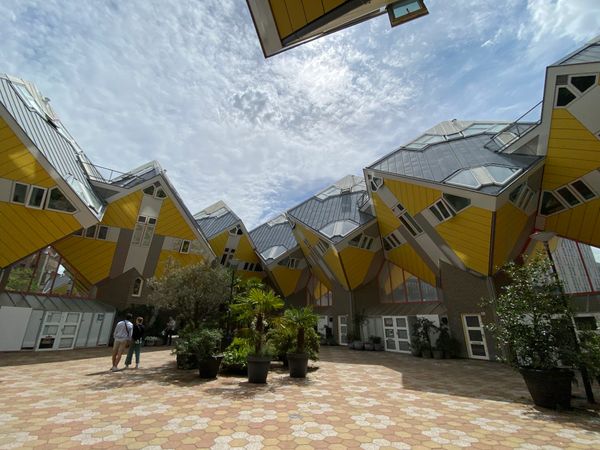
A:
x,y
187,361
209,367
549,388
358,345
258,368
298,363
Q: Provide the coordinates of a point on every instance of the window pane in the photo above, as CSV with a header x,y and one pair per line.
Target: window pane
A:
x,y
583,189
568,196
72,318
160,193
69,329
475,335
390,344
59,202
464,178
185,246
65,343
20,193
412,286
37,197
137,234
149,190
148,234
583,83
550,204
90,232
500,174
472,321
457,203
402,334
401,322
443,210
388,322
404,346
478,350
389,333
436,212
429,292
565,96
102,232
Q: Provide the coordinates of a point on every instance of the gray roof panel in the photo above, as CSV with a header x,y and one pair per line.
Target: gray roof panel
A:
x,y
211,226
267,236
52,303
588,54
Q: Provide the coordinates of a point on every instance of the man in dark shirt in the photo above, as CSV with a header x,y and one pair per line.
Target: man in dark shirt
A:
x,y
136,343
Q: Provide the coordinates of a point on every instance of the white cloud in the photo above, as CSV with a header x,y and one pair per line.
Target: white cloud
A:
x,y
185,82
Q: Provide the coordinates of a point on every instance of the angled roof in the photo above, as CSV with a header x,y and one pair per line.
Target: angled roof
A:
x,y
216,219
588,53
339,203
138,175
38,121
274,238
437,157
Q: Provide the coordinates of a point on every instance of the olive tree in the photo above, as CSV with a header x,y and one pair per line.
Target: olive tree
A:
x,y
196,291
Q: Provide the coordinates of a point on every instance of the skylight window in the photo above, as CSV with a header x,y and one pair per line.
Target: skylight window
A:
x,y
329,192
484,176
501,174
273,252
465,178
27,97
339,228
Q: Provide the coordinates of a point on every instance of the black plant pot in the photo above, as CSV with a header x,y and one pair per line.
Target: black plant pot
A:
x,y
258,368
209,368
298,363
549,388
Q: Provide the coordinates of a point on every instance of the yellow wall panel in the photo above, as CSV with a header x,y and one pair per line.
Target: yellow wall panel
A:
x,y
413,197
183,259
244,251
282,20
296,13
287,279
386,220
406,258
510,222
328,5
468,234
123,213
24,230
311,236
332,260
581,223
17,163
218,242
90,258
171,222
312,9
356,262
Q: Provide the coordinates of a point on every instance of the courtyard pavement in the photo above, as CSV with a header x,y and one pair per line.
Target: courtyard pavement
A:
x,y
351,399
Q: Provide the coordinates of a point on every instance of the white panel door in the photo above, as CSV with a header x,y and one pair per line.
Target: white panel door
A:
x,y
33,328
475,336
396,334
13,325
84,329
59,330
343,330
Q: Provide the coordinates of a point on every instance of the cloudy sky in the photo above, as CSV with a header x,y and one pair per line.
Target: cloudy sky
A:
x,y
185,82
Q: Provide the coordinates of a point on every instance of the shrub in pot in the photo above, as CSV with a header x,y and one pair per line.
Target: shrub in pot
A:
x,y
358,320
186,359
377,345
235,356
421,336
415,348
590,352
205,344
534,330
447,344
256,307
299,320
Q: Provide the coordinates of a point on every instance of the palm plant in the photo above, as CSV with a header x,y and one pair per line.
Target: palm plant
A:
x,y
300,319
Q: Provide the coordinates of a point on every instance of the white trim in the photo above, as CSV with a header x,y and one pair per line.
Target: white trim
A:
x,y
138,292
47,205
12,192
468,340
30,193
395,337
340,325
183,243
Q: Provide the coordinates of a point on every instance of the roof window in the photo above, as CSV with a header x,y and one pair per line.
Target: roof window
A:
x,y
338,228
564,96
583,82
273,252
477,177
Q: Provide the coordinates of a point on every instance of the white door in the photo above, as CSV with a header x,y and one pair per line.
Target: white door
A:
x,y
475,336
343,330
396,335
13,325
59,330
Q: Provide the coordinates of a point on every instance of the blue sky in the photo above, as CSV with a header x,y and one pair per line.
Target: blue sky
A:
x,y
185,82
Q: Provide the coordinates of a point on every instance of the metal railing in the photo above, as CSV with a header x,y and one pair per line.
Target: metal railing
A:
x,y
513,130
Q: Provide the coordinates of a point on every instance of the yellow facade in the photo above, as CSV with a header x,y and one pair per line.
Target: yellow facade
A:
x,y
287,279
123,213
406,258
183,259
25,230
386,219
332,259
356,263
91,258
468,234
573,151
413,197
218,242
510,224
172,223
292,15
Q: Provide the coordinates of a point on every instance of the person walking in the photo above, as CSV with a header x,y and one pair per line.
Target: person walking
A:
x,y
169,331
137,338
122,336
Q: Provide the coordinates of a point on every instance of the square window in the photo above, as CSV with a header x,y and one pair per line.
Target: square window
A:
x,y
36,197
58,202
20,193
185,247
583,189
102,232
90,232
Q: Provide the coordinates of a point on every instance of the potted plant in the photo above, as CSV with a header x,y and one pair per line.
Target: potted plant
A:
x,y
299,320
358,320
447,344
235,356
415,348
256,307
377,345
534,331
205,343
421,336
185,357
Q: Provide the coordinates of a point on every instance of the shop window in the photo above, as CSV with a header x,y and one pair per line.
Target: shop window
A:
x,y
564,96
102,232
583,82
185,246
20,193
58,202
550,204
583,189
567,195
456,203
138,284
90,232
36,197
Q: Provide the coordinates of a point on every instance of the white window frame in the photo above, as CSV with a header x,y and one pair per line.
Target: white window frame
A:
x,y
578,93
570,89
145,229
523,200
98,232
156,193
236,231
138,292
12,193
444,204
30,193
183,244
227,256
407,220
293,263
572,191
85,232
578,194
394,240
468,340
557,197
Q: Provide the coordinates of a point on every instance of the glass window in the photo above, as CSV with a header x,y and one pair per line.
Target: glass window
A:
x,y
138,231
501,174
550,204
26,96
36,197
339,228
465,178
457,203
429,292
90,232
472,321
149,190
137,287
584,82
20,193
412,287
568,196
564,97
58,201
436,213
583,189
411,225
514,195
273,252
102,232
160,193
185,247
148,235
